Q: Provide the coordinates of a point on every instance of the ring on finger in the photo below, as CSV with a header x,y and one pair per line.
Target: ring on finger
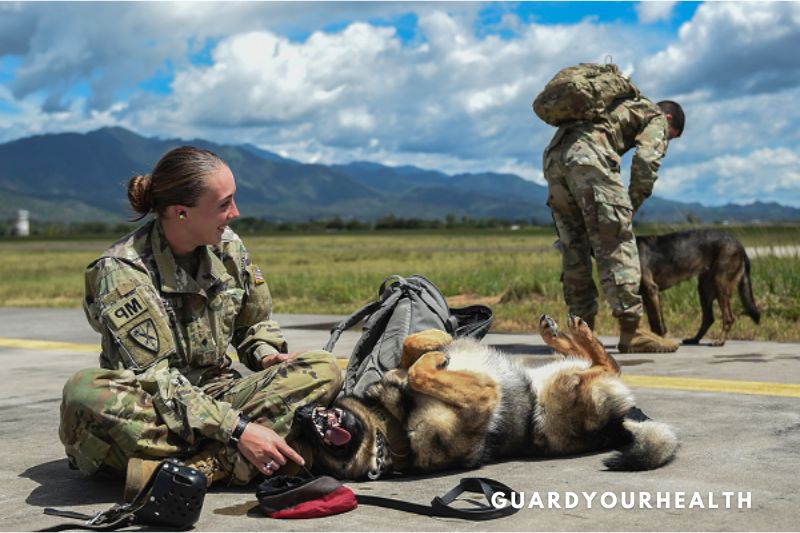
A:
x,y
270,465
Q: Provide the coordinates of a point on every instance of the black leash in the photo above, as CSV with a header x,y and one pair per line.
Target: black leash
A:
x,y
440,505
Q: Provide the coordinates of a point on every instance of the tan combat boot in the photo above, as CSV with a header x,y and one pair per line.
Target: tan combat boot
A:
x,y
633,339
141,470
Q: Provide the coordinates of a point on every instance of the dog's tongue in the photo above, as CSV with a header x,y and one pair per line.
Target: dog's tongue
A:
x,y
337,435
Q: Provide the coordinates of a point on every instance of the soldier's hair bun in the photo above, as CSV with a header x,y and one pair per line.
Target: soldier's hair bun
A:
x,y
179,178
140,194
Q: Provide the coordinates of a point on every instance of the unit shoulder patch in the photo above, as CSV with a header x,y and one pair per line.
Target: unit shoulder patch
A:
x,y
146,335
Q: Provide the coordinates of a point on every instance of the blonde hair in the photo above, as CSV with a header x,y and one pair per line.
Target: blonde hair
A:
x,y
179,177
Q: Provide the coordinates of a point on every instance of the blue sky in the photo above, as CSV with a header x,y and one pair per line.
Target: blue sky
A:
x,y
446,86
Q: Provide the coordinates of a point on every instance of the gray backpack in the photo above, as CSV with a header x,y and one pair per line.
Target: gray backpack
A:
x,y
404,306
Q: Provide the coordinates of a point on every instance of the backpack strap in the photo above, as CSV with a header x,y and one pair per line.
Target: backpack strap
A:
x,y
440,505
365,311
349,322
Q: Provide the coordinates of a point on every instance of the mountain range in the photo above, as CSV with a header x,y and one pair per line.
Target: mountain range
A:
x,y
79,177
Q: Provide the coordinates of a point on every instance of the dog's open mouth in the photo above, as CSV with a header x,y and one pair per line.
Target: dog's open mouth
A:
x,y
330,426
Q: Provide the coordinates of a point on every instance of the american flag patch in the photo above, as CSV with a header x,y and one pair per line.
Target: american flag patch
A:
x,y
258,277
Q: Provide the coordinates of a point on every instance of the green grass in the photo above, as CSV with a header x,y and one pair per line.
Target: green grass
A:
x,y
515,273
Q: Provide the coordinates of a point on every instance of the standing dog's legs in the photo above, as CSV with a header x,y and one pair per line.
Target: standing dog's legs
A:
x,y
708,292
724,293
652,304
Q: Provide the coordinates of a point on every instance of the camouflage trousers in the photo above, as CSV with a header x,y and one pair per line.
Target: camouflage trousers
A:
x,y
107,416
593,215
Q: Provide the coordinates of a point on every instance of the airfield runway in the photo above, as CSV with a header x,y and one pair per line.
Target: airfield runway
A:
x,y
736,409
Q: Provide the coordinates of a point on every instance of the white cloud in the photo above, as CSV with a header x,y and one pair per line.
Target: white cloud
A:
x,y
654,10
362,85
731,48
766,174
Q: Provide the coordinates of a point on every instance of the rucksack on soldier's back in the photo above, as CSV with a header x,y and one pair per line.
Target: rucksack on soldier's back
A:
x,y
582,92
404,306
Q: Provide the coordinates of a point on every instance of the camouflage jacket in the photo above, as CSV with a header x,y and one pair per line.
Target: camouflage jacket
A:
x,y
159,321
602,143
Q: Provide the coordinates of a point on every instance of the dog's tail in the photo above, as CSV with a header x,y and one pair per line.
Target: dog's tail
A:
x,y
746,293
650,444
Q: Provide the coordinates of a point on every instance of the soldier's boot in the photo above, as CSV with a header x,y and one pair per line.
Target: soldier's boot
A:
x,y
141,470
633,339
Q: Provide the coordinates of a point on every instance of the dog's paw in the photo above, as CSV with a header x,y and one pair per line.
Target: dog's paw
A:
x,y
579,327
427,341
548,327
417,344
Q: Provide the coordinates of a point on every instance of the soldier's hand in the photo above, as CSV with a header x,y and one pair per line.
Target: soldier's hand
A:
x,y
266,449
273,359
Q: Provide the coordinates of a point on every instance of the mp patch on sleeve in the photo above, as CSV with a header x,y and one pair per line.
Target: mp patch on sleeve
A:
x,y
126,310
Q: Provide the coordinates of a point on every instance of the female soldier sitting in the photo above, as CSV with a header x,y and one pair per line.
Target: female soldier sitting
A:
x,y
168,299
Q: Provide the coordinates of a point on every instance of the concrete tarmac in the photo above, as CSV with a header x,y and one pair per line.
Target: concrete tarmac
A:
x,y
736,409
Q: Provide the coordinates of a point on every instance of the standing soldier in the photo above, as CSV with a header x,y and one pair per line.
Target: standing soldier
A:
x,y
168,299
592,211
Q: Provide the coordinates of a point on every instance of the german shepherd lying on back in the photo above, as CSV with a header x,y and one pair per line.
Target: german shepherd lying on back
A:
x,y
458,404
716,257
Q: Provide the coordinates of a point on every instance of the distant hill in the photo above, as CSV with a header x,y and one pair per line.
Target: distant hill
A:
x,y
72,177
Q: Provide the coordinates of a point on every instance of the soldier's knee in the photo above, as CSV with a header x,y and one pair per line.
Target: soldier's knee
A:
x,y
326,370
80,390
327,365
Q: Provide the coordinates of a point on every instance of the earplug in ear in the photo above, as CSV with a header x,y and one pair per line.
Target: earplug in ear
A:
x,y
182,215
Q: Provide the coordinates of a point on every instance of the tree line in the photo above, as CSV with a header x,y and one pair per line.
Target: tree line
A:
x,y
253,225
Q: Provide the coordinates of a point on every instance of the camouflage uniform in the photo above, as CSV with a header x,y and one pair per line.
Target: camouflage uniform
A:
x,y
166,386
592,210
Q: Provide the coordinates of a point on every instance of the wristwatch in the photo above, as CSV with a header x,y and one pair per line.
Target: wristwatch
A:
x,y
236,434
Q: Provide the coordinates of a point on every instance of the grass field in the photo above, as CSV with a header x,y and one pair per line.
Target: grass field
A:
x,y
514,272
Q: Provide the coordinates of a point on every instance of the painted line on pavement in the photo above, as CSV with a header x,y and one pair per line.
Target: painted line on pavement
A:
x,y
761,388
30,344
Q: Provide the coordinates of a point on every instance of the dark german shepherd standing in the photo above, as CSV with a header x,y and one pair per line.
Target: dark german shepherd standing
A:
x,y
716,257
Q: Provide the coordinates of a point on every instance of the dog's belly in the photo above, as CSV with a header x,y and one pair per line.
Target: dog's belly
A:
x,y
539,376
510,426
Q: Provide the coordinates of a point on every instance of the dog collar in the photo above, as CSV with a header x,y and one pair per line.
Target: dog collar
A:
x,y
391,441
